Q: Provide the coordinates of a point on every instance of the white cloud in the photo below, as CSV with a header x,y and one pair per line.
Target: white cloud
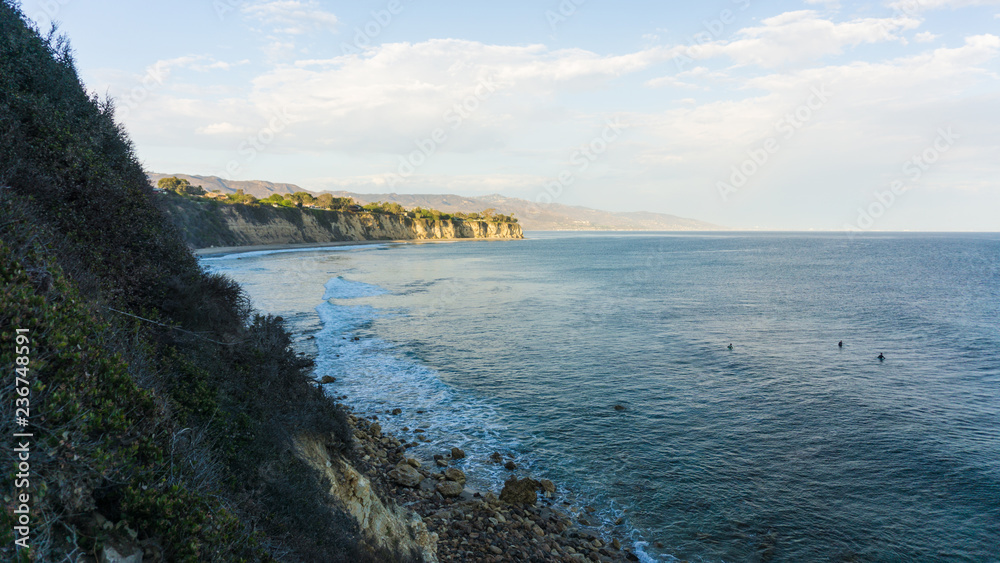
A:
x,y
224,128
917,6
797,37
293,17
925,37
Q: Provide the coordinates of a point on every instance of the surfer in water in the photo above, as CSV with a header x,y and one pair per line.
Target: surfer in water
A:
x,y
840,344
880,356
730,346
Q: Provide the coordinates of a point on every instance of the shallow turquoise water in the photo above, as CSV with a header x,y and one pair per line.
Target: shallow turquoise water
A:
x,y
786,448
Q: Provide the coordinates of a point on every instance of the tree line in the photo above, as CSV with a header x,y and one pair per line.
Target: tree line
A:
x,y
182,187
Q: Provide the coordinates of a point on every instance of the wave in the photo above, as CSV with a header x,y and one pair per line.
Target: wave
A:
x,y
253,253
376,376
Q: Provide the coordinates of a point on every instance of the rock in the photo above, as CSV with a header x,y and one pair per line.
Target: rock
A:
x,y
328,379
496,550
457,453
520,491
127,554
619,407
441,462
495,457
405,475
456,475
590,509
616,544
449,489
375,429
428,484
396,411
412,462
419,431
510,466
547,486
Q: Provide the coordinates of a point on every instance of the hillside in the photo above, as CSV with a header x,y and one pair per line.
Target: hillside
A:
x,y
208,223
157,414
532,216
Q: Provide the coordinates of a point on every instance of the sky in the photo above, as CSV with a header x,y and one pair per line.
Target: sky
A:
x,y
825,115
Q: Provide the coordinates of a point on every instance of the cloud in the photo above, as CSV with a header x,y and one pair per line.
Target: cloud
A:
x,y
224,128
917,6
802,36
292,17
925,37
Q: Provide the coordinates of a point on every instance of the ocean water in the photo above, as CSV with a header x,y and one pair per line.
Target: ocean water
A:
x,y
785,448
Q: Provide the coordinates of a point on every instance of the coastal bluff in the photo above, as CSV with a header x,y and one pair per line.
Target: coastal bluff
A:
x,y
204,224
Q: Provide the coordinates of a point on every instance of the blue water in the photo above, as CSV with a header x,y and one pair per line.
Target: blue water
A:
x,y
785,448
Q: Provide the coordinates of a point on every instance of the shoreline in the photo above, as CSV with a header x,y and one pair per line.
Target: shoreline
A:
x,y
214,250
471,525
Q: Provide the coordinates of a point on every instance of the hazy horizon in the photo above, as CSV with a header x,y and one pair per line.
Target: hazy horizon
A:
x,y
810,115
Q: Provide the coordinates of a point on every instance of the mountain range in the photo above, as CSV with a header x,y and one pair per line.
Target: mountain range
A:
x,y
532,216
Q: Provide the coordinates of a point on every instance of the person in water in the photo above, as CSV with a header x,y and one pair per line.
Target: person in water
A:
x,y
840,344
730,346
880,356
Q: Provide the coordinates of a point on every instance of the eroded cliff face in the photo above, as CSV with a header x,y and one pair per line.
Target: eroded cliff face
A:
x,y
382,524
204,224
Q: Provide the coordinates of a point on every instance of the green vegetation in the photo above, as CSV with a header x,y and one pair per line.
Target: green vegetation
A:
x,y
179,187
163,407
174,185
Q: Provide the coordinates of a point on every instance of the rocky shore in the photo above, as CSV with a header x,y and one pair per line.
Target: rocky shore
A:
x,y
520,523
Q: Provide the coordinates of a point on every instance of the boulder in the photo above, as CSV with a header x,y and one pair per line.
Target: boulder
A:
x,y
397,411
456,475
520,491
413,462
547,486
405,475
449,489
457,453
328,379
495,457
510,466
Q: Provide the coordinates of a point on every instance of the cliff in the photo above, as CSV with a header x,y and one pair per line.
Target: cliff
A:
x,y
206,223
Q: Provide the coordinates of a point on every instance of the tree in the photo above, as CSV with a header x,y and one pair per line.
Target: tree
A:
x,y
302,198
179,186
325,201
241,197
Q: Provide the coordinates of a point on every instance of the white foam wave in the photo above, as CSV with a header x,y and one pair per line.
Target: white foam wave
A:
x,y
339,288
239,255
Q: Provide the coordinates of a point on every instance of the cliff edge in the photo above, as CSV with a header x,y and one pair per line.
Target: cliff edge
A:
x,y
206,223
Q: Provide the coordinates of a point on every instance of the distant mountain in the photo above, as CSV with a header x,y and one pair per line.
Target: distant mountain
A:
x,y
532,216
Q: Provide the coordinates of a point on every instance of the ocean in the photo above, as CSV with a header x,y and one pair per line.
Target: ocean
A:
x,y
786,447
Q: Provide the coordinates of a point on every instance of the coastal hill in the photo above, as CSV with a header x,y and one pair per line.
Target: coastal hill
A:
x,y
207,223
531,216
158,415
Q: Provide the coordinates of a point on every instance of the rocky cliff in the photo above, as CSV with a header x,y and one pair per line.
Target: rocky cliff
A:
x,y
206,223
